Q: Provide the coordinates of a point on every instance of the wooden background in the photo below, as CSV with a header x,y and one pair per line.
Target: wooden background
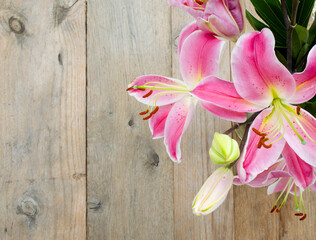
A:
x,y
77,162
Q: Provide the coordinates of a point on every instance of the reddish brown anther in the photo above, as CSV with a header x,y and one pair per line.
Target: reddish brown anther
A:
x,y
143,113
129,89
199,2
278,210
298,110
299,214
266,146
148,94
302,218
186,4
273,209
259,133
155,111
148,117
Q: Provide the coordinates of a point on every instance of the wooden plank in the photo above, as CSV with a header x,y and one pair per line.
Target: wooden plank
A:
x,y
130,176
252,206
196,166
42,119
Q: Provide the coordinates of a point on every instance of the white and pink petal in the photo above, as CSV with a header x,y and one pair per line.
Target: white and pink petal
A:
x,y
302,173
176,124
306,80
158,97
255,160
199,57
222,93
258,75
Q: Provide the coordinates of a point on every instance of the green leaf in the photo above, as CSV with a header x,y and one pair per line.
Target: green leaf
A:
x,y
289,6
281,58
270,11
301,54
255,23
310,107
300,37
304,12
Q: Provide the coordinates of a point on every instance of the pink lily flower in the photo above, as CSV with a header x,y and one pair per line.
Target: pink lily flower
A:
x,y
261,80
290,175
170,102
224,18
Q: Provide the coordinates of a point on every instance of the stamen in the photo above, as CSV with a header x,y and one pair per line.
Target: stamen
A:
x,y
299,214
145,112
148,94
305,215
298,110
259,133
148,117
139,88
199,2
264,145
278,210
273,209
129,89
155,111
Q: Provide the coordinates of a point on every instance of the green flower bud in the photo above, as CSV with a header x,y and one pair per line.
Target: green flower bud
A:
x,y
224,149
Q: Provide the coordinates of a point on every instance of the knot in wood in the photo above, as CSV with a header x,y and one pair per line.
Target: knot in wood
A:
x,y
28,207
16,25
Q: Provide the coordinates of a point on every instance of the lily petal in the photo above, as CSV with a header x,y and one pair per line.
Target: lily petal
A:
x,y
254,160
307,122
279,185
190,6
165,97
224,113
302,173
267,177
185,33
306,80
222,93
258,74
177,122
199,57
158,121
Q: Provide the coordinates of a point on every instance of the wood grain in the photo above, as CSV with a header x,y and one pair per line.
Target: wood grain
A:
x,y
196,167
42,120
70,130
130,176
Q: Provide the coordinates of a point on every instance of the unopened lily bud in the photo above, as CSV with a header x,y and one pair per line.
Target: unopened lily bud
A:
x,y
224,149
213,192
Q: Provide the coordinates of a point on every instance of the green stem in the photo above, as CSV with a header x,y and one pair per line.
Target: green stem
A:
x,y
290,25
237,125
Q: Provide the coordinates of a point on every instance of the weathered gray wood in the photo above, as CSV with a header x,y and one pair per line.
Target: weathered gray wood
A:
x,y
130,177
197,166
42,119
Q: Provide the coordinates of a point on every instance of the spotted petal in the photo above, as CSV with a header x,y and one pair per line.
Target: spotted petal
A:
x,y
199,57
177,122
305,126
163,97
258,75
254,160
158,121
